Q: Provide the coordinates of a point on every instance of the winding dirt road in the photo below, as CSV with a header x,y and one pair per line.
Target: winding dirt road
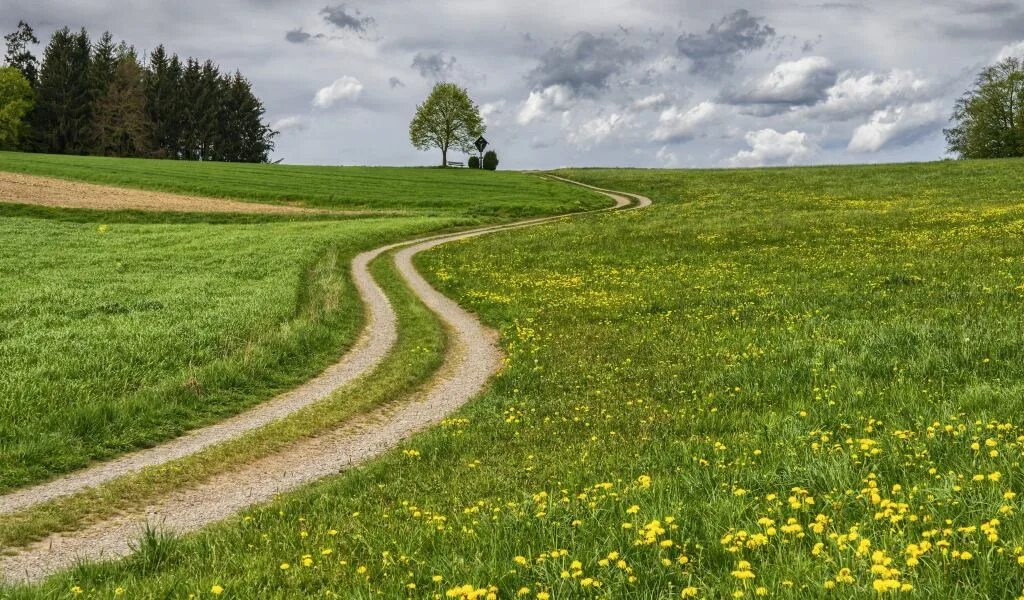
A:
x,y
473,358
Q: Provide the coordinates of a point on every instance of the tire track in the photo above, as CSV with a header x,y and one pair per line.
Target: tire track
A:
x,y
473,358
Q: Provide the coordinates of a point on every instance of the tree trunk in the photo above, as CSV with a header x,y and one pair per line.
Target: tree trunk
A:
x,y
444,157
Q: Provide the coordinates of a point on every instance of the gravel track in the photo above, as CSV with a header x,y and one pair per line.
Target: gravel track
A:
x,y
472,359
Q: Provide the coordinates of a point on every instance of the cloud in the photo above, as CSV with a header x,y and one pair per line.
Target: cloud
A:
x,y
584,63
395,82
676,125
297,36
859,95
770,147
657,101
898,126
339,16
292,123
1015,50
490,111
433,65
541,103
346,88
598,129
801,82
717,50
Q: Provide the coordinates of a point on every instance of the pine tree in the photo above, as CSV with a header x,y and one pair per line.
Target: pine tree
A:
x,y
61,120
102,71
163,102
207,110
188,139
18,54
121,123
245,137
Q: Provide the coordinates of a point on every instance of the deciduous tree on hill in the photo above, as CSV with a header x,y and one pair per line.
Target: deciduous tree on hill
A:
x,y
988,121
15,103
448,120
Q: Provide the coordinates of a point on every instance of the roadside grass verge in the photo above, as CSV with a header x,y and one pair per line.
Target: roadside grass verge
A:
x,y
807,381
461,192
119,336
418,353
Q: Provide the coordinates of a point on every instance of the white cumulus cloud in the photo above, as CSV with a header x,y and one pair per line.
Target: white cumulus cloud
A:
x,y
292,123
1015,50
770,147
652,102
798,82
898,125
540,103
857,95
678,125
598,129
346,88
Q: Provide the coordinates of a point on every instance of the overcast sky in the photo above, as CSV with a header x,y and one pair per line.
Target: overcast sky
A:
x,y
662,83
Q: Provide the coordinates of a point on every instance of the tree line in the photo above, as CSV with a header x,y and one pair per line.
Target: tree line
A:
x,y
103,99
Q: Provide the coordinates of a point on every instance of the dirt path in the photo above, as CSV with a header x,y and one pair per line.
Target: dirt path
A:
x,y
46,191
473,358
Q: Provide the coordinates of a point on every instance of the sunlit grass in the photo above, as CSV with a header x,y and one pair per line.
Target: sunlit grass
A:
x,y
790,383
427,190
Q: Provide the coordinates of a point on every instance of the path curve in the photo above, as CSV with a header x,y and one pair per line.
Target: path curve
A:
x,y
473,358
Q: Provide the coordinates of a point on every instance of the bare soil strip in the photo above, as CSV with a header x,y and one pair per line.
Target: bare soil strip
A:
x,y
59,193
473,358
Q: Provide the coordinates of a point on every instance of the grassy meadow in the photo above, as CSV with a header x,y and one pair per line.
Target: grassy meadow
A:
x,y
782,383
122,329
450,192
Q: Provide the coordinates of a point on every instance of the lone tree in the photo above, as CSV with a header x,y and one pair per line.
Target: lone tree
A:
x,y
988,121
447,120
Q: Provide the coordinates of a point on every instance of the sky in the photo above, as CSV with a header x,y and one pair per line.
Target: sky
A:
x,y
646,83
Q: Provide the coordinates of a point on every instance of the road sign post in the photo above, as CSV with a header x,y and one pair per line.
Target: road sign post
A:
x,y
480,144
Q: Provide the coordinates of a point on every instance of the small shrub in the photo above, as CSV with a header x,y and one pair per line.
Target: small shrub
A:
x,y
474,162
491,160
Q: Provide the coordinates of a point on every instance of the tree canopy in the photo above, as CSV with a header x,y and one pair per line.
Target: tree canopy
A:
x,y
988,121
15,103
447,120
102,98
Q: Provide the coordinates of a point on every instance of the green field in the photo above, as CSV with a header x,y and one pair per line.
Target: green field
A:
x,y
119,330
793,383
424,190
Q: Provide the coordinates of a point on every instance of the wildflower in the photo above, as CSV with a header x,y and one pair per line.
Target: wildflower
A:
x,y
689,592
285,566
217,590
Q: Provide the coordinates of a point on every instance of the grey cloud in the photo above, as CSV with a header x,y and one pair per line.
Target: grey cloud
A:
x,y
803,82
297,36
339,16
584,63
395,82
433,65
993,21
717,50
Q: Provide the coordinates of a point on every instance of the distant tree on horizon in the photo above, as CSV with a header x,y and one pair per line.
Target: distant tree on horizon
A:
x,y
18,54
988,121
447,120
